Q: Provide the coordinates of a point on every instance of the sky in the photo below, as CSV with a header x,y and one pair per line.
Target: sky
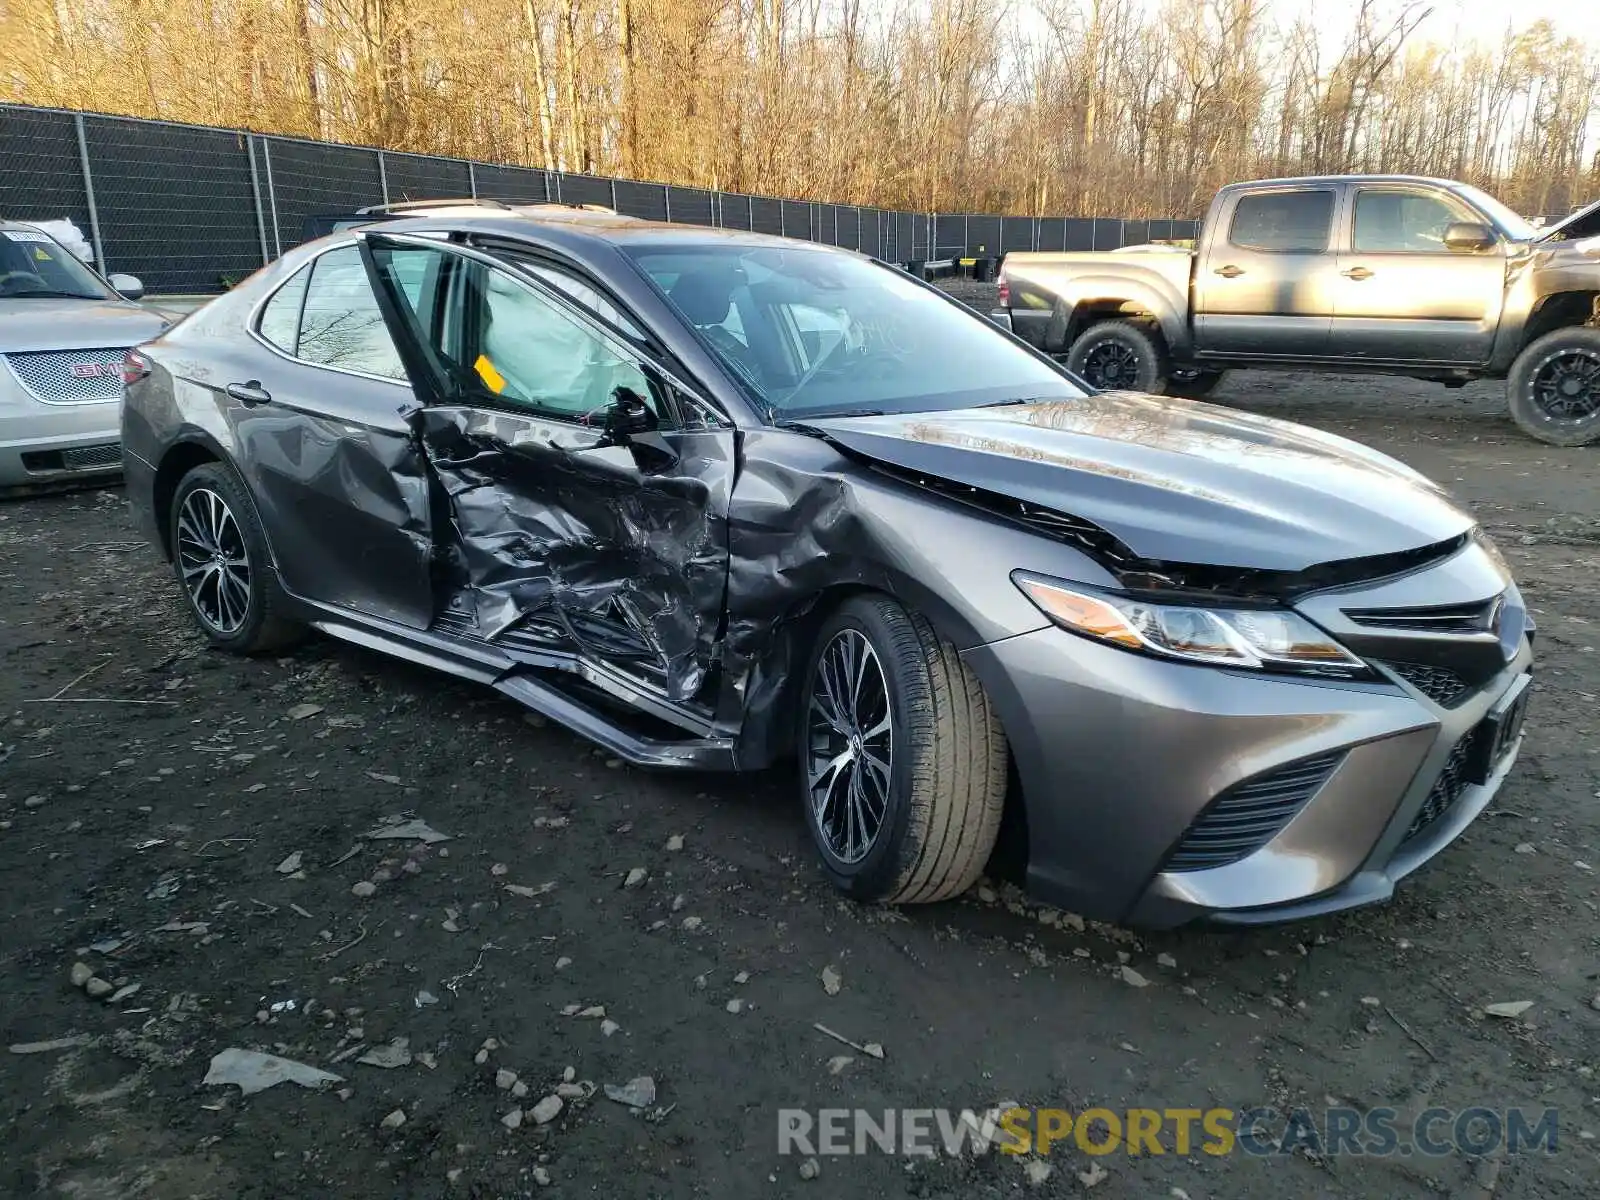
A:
x,y
1464,19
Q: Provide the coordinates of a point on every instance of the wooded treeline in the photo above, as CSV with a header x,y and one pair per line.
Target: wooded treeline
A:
x,y
1029,107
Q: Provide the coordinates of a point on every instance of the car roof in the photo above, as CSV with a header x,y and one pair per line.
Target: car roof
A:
x,y
567,224
1342,179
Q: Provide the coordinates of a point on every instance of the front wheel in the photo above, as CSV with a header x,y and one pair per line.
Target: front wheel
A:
x,y
219,555
1193,383
1120,356
1554,387
903,762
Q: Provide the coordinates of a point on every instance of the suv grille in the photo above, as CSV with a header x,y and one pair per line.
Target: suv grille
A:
x,y
70,376
1447,788
1248,815
1439,684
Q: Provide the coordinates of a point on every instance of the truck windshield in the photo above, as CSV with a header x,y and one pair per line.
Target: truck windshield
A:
x,y
1510,224
811,332
33,265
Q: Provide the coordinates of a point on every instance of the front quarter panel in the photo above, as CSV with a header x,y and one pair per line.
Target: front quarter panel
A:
x,y
807,522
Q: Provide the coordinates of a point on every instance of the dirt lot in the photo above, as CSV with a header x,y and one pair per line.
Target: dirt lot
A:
x,y
203,845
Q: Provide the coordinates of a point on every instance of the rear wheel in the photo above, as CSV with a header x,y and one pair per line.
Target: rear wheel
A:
x,y
903,762
220,558
1120,356
1554,387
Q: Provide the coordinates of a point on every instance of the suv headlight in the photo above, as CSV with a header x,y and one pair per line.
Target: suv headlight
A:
x,y
1260,639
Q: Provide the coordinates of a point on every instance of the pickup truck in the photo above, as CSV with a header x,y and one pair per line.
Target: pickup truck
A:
x,y
1392,274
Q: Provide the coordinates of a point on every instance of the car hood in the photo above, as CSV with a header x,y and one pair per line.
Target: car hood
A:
x,y
1174,480
75,324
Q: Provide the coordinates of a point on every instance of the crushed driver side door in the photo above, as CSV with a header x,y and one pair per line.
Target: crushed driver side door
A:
x,y
613,555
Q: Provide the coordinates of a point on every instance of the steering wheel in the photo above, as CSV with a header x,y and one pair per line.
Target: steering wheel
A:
x,y
10,278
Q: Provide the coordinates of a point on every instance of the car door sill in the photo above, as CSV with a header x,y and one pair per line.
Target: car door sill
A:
x,y
515,675
698,754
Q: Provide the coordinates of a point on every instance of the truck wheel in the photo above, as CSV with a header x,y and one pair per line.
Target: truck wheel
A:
x,y
1119,356
1193,384
902,759
1554,387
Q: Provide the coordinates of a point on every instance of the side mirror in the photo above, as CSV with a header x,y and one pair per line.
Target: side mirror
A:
x,y
1468,237
126,286
631,422
627,416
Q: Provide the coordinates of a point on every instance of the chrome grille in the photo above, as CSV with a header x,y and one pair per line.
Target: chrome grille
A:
x,y
1439,684
1447,788
70,376
1475,617
88,458
1250,814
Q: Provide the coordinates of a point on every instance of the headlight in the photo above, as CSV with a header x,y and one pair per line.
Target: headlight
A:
x,y
1261,639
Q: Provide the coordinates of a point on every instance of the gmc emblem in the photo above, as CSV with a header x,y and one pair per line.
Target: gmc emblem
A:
x,y
90,370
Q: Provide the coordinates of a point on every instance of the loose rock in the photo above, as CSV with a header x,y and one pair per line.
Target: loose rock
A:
x,y
810,1169
254,1072
364,889
1508,1008
503,1079
98,988
675,842
1133,978
831,981
513,1119
291,864
394,1120
636,878
81,974
547,1110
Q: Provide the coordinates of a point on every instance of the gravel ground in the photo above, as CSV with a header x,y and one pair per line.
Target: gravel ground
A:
x,y
206,846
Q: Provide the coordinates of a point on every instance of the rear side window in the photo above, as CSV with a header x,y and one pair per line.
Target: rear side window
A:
x,y
280,319
340,323
1283,221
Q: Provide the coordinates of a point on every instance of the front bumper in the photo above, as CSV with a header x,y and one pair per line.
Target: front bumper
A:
x,y
1118,754
46,443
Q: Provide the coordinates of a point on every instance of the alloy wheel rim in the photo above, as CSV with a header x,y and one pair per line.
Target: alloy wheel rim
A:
x,y
1110,364
213,561
1567,385
850,747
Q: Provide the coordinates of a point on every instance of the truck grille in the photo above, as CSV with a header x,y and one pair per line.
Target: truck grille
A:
x,y
70,376
1439,684
1447,788
1250,814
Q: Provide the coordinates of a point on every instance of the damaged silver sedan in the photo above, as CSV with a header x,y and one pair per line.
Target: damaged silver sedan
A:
x,y
719,501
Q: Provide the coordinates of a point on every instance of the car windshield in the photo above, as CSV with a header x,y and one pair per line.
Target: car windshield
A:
x,y
32,264
812,333
1510,223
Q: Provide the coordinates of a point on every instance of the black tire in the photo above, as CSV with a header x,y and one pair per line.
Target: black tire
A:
x,y
1120,356
1193,384
1554,387
944,787
240,617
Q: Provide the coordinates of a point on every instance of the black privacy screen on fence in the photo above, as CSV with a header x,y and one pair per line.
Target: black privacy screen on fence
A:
x,y
189,208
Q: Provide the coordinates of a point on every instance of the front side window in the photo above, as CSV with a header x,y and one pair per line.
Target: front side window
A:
x,y
502,340
811,332
1294,222
340,323
1400,222
531,353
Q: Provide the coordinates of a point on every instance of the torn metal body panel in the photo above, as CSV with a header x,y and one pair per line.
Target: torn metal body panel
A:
x,y
646,480
577,547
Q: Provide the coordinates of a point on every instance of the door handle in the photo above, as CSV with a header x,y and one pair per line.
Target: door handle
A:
x,y
249,394
1230,271
1357,273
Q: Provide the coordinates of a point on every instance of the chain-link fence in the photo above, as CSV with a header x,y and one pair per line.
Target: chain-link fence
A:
x,y
189,208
